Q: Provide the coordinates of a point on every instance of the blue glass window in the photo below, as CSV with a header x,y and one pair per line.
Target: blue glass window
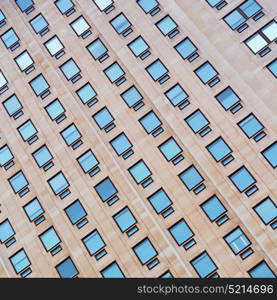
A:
x,y
131,96
6,231
54,109
54,46
103,4
9,38
58,183
2,18
42,156
237,240
103,117
266,210
93,242
20,261
176,94
139,171
219,149
213,2
148,5
97,49
272,67
112,271
24,61
167,274
227,98
150,122
39,23
170,149
234,19
250,8
86,93
70,69
203,265
206,72
120,23
145,251
185,48
242,179
270,154
64,5
49,239
80,26
256,42
166,25
114,72
138,46
71,134
124,219
87,161
24,4
250,125
33,209
67,269
261,270
159,200
75,212
18,181
156,70
5,155
105,189
197,121
191,178
3,80
39,85
27,130
121,144
213,208
181,232
12,105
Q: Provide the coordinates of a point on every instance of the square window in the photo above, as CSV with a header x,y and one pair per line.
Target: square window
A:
x,y
150,122
75,212
170,149
213,3
272,67
213,208
114,72
242,179
157,70
167,274
139,171
64,6
181,232
2,18
80,26
266,210
191,177
12,105
87,161
270,154
237,240
42,156
86,93
103,118
227,98
131,96
58,183
121,144
160,201
103,5
176,94
250,125
93,242
5,155
105,189
186,48
270,30
203,265
18,181
197,121
6,231
234,19
206,72
250,8
20,261
148,5
39,85
70,69
67,269
97,49
219,149
54,109
49,239
261,270
121,24
39,24
24,5
145,251
112,271
27,130
54,46
33,209
3,81
256,43
71,134
124,219
138,46
166,25
24,61
10,38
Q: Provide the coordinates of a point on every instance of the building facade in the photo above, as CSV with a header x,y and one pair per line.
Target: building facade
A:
x,y
138,138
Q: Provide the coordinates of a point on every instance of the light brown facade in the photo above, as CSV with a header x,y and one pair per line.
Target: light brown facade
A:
x,y
238,68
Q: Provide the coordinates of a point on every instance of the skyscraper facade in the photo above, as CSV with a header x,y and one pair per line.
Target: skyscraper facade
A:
x,y
138,138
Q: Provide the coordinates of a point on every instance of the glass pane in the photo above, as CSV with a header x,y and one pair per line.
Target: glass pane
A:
x,y
24,60
39,23
206,72
86,93
64,5
120,23
204,265
124,219
138,46
219,149
97,48
27,130
266,210
9,38
49,239
33,209
156,70
80,25
176,94
250,125
103,117
145,251
121,143
114,72
5,155
213,2
262,270
42,156
271,154
112,271
213,208
256,43
150,122
250,7
70,69
93,242
166,25
18,181
6,231
39,84
2,16
103,4
105,189
181,232
185,48
20,261
270,30
139,171
197,121
147,5
273,67
87,161
55,109
12,105
67,269
58,183
191,177
131,96
54,45
71,134
237,240
170,149
242,179
160,201
24,4
3,80
227,98
75,212
234,19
